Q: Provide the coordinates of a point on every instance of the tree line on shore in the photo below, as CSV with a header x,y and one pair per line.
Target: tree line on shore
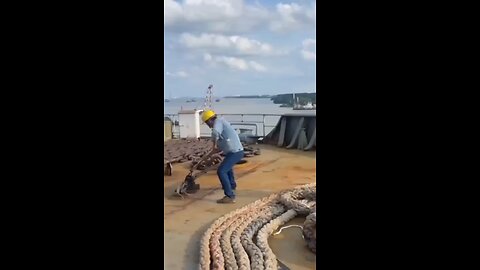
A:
x,y
285,99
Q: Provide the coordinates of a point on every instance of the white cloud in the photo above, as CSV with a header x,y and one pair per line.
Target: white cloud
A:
x,y
205,10
309,55
207,57
309,42
234,63
258,67
309,49
213,15
233,16
288,11
172,11
312,12
293,16
236,44
252,44
181,74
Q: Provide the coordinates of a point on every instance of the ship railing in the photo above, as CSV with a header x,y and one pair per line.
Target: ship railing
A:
x,y
260,124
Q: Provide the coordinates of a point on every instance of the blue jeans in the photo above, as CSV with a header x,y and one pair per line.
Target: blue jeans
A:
x,y
225,172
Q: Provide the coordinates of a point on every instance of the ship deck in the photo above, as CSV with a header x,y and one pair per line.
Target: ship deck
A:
x,y
186,220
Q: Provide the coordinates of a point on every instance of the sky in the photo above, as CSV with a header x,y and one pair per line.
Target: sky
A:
x,y
242,47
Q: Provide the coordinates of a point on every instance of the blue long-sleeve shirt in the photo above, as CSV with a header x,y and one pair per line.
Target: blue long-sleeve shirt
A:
x,y
226,137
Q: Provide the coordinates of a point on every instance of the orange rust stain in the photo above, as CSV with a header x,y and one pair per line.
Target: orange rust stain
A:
x,y
189,202
274,170
192,199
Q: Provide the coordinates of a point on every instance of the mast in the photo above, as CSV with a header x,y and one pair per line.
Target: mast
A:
x,y
208,98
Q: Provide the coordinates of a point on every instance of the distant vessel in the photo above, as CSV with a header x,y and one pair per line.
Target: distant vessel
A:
x,y
167,100
308,106
298,106
217,100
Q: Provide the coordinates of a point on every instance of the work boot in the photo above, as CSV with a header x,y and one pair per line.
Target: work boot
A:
x,y
226,199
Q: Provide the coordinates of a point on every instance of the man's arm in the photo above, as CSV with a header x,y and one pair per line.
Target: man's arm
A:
x,y
214,146
214,140
216,134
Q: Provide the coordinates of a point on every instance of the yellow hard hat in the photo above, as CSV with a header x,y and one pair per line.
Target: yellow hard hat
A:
x,y
207,114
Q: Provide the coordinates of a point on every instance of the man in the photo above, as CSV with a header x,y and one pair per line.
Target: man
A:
x,y
225,139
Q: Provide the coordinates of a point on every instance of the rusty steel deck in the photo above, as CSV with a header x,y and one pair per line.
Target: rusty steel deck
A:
x,y
274,170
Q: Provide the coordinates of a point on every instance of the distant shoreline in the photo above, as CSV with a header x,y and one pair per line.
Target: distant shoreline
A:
x,y
286,99
254,96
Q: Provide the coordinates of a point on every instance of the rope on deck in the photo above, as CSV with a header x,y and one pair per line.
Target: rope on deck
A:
x,y
209,245
254,252
310,231
266,231
239,239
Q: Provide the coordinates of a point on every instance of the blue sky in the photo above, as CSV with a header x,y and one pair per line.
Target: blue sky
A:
x,y
242,47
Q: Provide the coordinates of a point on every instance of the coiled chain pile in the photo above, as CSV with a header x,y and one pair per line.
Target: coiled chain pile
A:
x,y
179,151
239,239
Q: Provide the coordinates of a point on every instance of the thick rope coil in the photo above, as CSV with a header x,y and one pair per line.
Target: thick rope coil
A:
x,y
262,238
239,239
254,252
241,255
226,244
301,199
310,231
215,246
205,258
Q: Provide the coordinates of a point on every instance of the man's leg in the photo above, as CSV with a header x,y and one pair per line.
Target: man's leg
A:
x,y
223,172
231,177
238,156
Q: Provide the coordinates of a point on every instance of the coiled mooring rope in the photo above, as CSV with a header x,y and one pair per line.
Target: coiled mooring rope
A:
x,y
239,239
254,252
239,244
206,250
301,199
310,231
262,238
